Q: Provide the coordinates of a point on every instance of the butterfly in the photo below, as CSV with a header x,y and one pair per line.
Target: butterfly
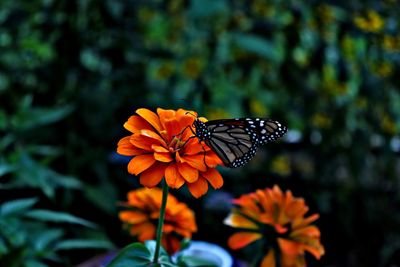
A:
x,y
235,141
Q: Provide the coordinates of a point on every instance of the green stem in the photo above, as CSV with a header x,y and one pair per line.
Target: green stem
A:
x,y
161,221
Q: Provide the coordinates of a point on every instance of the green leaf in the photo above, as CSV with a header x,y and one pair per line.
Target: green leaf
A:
x,y
67,181
140,255
135,254
34,263
6,140
260,46
13,231
46,237
163,258
32,173
3,246
83,244
31,117
6,168
57,217
193,261
204,8
16,206
44,150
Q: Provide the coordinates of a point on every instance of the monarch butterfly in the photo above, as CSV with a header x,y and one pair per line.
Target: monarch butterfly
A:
x,y
235,141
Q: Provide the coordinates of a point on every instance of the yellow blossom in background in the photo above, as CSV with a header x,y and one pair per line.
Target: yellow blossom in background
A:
x,y
258,108
175,6
371,22
262,8
349,47
391,43
164,70
192,67
217,113
361,102
326,13
146,14
281,165
388,125
321,120
383,69
301,56
336,88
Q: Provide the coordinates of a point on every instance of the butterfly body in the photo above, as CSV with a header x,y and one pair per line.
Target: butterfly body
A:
x,y
236,141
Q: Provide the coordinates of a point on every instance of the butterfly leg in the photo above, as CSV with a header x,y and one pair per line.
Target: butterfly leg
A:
x,y
201,143
204,154
181,132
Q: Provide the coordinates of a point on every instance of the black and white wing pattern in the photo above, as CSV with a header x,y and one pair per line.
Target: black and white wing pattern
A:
x,y
236,141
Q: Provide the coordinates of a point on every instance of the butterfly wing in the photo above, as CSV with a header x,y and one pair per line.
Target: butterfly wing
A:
x,y
232,141
267,130
235,141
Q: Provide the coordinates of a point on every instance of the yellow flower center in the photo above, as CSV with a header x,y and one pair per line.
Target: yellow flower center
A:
x,y
176,144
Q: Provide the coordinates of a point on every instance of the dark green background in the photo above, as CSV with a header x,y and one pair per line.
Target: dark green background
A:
x,y
73,71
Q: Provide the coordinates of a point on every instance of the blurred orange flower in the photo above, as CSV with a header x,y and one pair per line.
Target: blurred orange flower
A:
x,y
278,218
144,210
163,148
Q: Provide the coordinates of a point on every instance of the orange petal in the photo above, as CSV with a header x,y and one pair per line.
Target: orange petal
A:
x,y
142,142
169,122
189,173
213,177
172,176
302,222
198,188
132,217
280,229
306,232
160,149
213,160
316,249
196,161
268,260
170,243
152,135
172,127
242,239
290,247
151,117
193,147
278,193
152,176
127,149
163,157
140,163
168,228
136,123
185,117
144,231
238,221
166,114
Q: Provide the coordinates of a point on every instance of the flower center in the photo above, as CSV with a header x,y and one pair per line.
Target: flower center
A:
x,y
176,144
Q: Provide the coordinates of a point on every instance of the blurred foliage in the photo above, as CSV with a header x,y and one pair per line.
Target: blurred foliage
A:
x,y
71,73
27,240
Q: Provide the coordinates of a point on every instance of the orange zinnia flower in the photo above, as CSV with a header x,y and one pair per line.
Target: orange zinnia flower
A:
x,y
144,210
278,218
163,146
